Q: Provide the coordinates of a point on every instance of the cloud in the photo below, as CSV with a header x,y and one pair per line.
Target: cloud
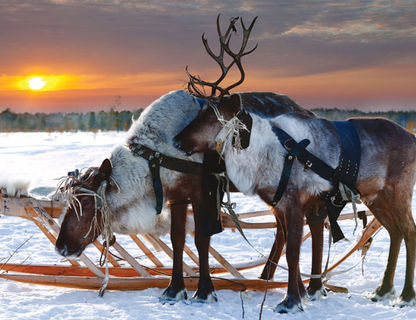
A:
x,y
116,39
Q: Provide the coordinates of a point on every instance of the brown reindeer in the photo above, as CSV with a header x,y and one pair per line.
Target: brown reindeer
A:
x,y
123,184
385,179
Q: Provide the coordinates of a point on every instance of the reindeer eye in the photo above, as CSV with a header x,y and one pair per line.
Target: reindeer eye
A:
x,y
86,201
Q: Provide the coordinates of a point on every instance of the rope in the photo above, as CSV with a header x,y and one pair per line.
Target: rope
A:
x,y
348,195
231,128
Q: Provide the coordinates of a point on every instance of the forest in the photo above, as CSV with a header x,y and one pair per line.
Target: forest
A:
x,y
89,121
121,120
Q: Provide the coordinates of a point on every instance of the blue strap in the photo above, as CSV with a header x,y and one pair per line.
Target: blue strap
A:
x,y
347,170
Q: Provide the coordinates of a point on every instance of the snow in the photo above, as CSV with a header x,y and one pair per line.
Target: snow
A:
x,y
43,157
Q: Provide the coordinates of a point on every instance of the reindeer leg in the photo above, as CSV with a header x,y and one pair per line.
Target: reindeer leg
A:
x,y
206,290
276,252
407,297
176,290
408,231
315,288
387,211
292,302
386,288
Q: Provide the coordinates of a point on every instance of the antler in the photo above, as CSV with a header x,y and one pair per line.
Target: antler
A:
x,y
196,85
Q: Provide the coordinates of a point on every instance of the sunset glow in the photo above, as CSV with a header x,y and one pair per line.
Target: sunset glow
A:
x,y
342,54
36,83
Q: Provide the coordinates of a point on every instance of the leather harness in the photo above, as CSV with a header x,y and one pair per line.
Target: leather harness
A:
x,y
346,172
209,220
156,160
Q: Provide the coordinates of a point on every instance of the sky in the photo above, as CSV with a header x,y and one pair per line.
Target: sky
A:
x,y
94,55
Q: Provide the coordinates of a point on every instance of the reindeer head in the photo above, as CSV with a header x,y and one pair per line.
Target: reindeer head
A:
x,y
222,116
203,134
84,219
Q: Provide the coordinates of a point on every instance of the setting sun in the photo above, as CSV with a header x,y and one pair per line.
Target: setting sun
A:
x,y
36,83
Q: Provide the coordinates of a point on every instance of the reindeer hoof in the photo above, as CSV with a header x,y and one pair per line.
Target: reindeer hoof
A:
x,y
171,296
400,302
376,296
314,295
289,305
201,297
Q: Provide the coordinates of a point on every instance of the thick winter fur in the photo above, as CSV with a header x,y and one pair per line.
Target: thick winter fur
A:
x,y
266,149
15,188
386,179
135,204
270,104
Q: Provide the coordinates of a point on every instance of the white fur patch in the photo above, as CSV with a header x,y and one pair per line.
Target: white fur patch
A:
x,y
134,206
15,188
260,165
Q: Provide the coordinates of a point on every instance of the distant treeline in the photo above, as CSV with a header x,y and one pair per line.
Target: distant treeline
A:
x,y
121,120
90,121
406,119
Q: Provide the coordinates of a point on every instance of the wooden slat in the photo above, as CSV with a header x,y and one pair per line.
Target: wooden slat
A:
x,y
154,243
115,271
253,214
227,222
16,206
146,251
225,263
130,259
141,283
169,252
52,239
191,254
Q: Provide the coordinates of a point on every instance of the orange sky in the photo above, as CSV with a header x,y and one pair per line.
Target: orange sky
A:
x,y
346,55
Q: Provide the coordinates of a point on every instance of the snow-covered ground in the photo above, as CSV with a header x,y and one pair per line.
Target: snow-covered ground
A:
x,y
42,157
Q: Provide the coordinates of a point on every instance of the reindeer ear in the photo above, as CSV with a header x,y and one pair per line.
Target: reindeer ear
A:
x,y
105,169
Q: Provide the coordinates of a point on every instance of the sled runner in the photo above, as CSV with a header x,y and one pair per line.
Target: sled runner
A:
x,y
126,273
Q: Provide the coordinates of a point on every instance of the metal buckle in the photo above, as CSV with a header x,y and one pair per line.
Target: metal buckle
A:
x,y
308,164
285,145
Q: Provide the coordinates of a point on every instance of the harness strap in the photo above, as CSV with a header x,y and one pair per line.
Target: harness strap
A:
x,y
304,156
335,176
156,160
184,166
157,183
284,179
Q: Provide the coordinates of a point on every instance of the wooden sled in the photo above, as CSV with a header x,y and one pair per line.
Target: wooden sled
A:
x,y
83,273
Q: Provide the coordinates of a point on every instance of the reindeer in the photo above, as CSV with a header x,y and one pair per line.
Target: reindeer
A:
x,y
119,196
385,178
